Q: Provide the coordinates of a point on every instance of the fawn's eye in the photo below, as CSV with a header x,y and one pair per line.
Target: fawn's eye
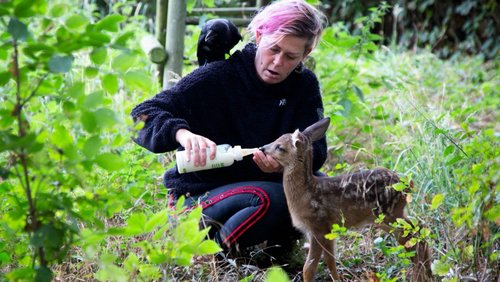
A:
x,y
279,148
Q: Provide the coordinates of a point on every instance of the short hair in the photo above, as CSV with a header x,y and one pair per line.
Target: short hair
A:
x,y
289,17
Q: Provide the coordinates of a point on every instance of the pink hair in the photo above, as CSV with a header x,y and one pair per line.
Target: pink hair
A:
x,y
289,17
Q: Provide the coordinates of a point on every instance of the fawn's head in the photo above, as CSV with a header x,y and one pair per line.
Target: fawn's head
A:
x,y
292,146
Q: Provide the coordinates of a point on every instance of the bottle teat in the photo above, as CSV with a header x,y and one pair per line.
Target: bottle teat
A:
x,y
246,152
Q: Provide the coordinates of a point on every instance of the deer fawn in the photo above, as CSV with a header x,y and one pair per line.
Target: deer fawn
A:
x,y
356,199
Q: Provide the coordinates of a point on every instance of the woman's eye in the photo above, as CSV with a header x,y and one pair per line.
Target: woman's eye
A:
x,y
275,50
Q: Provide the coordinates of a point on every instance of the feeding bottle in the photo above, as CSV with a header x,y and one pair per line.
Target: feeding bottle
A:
x,y
225,156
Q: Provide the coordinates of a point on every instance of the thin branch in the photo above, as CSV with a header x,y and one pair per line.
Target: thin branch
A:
x,y
33,93
32,220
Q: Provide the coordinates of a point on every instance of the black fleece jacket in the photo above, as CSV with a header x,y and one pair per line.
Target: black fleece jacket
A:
x,y
226,102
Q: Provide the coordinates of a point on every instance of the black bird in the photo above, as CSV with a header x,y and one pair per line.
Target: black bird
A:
x,y
217,38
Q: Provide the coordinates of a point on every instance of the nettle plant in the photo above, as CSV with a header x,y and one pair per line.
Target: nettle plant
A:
x,y
67,163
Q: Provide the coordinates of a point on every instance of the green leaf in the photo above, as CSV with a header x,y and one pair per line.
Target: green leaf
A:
x,y
493,214
208,247
111,272
158,219
440,268
449,150
96,38
276,274
17,29
454,160
58,10
105,117
30,8
21,274
88,121
76,90
123,62
92,146
110,83
121,41
60,64
93,100
98,55
110,162
61,137
358,92
437,200
399,186
43,274
136,223
110,22
138,80
161,232
77,22
4,77
91,72
4,258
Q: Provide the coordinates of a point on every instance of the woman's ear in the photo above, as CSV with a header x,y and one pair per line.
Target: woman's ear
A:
x,y
306,53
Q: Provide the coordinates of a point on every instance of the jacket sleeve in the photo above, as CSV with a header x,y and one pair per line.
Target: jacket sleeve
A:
x,y
166,113
161,122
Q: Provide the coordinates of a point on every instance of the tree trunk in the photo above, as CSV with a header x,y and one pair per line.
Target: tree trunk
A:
x,y
174,42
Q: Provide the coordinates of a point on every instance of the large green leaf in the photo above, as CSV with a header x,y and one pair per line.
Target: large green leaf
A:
x,y
60,64
88,121
110,83
158,219
92,146
208,247
77,22
105,117
17,29
123,62
110,22
58,10
138,80
109,161
4,77
93,100
98,55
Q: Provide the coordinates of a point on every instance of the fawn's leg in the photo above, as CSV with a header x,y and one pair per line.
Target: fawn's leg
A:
x,y
313,257
329,256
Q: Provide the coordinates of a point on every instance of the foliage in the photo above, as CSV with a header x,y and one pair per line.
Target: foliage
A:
x,y
429,118
78,196
448,28
65,146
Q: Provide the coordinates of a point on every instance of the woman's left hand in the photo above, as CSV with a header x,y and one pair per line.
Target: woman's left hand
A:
x,y
266,163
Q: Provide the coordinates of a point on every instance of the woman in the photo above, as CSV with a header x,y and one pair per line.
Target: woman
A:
x,y
250,99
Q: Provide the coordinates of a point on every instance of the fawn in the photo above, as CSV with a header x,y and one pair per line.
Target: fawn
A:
x,y
355,199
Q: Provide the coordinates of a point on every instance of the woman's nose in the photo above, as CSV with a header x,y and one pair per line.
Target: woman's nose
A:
x,y
278,60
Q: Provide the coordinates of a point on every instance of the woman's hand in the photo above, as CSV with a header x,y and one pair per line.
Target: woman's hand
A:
x,y
266,163
198,144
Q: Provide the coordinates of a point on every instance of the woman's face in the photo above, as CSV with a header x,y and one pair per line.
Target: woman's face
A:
x,y
275,61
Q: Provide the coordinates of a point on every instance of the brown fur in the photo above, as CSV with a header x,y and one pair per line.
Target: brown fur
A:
x,y
355,199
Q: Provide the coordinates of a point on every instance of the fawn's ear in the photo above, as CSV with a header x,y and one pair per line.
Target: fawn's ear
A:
x,y
295,138
317,130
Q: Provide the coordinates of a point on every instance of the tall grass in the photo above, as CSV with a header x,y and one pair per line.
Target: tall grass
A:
x,y
429,118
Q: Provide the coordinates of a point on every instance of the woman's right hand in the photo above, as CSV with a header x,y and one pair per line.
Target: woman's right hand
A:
x,y
198,144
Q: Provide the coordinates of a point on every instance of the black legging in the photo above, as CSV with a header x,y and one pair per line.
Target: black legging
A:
x,y
246,213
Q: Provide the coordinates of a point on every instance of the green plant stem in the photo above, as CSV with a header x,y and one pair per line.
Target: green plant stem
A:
x,y
32,222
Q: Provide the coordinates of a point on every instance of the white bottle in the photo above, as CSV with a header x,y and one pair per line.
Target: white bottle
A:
x,y
225,156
